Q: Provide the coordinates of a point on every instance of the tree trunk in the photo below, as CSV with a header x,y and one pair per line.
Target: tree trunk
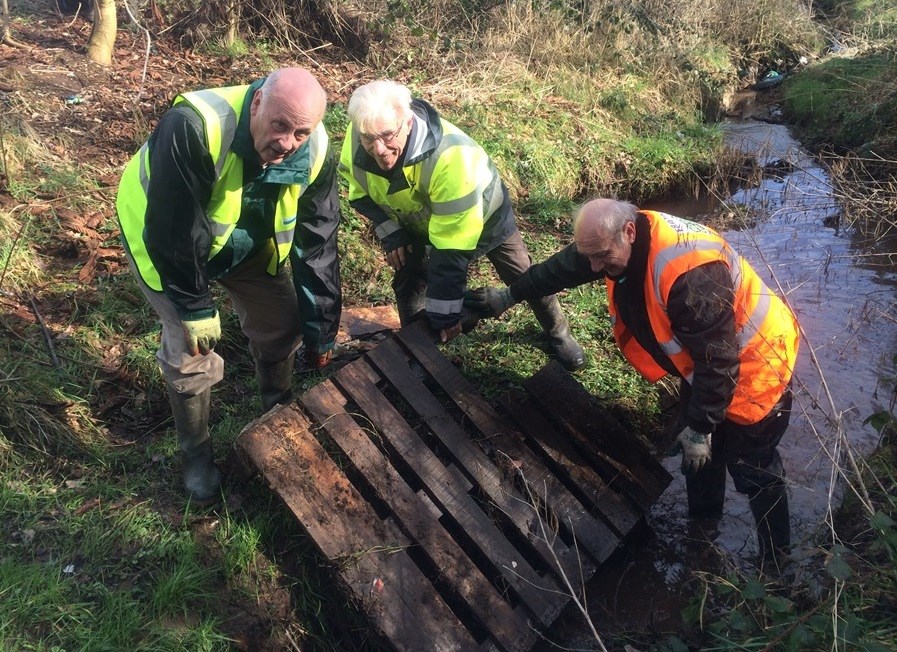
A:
x,y
102,36
5,35
232,15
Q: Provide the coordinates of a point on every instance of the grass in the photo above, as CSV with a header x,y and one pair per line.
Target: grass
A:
x,y
826,105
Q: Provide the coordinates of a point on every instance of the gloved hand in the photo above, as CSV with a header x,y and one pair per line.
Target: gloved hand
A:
x,y
203,333
489,302
315,359
695,448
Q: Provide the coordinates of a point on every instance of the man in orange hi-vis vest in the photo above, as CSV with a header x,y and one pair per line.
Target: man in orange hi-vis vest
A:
x,y
683,302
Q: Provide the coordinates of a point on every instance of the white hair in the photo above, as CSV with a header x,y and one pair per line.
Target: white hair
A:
x,y
378,102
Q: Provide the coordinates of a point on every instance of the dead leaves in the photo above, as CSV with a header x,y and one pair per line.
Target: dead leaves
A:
x,y
90,243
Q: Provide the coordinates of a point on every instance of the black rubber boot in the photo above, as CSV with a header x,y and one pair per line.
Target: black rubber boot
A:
x,y
202,481
410,286
706,492
567,350
411,305
770,509
275,381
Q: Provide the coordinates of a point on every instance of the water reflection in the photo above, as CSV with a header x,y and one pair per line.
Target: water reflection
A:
x,y
845,302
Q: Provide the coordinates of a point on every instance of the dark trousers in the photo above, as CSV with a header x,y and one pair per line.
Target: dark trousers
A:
x,y
750,453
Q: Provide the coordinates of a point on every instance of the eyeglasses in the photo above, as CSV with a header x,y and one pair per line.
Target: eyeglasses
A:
x,y
387,139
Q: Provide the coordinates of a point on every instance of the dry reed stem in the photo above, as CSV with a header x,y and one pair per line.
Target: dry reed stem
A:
x,y
548,538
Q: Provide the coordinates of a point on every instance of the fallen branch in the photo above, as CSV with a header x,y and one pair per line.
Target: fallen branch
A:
x,y
43,327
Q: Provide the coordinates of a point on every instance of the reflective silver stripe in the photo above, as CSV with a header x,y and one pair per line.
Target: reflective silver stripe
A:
x,y
690,377
219,229
495,195
443,306
228,121
387,228
360,175
283,237
671,253
144,168
458,205
671,347
756,318
428,166
319,147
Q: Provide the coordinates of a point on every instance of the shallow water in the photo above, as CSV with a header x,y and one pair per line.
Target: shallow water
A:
x,y
844,298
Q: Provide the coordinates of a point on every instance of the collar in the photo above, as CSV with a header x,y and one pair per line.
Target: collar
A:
x,y
638,259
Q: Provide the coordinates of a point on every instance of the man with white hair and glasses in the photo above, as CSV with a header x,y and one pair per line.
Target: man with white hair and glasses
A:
x,y
437,203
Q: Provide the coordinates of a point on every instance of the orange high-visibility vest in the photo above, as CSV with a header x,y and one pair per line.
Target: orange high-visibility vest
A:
x,y
766,328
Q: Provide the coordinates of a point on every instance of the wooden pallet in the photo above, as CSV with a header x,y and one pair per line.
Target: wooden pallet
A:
x,y
451,527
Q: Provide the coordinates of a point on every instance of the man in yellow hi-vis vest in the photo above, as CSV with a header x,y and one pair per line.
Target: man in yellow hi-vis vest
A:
x,y
437,203
232,183
683,302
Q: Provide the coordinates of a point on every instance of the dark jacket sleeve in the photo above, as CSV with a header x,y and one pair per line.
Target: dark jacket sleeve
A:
x,y
177,231
700,307
368,208
563,270
315,262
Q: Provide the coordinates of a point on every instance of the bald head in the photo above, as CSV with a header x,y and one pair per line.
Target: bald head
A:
x,y
602,218
284,112
604,231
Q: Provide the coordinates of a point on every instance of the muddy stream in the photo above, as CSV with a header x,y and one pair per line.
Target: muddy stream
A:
x,y
844,296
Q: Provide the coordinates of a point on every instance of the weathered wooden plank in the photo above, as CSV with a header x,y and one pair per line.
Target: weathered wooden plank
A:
x,y
598,497
628,464
594,536
347,531
390,361
456,569
449,489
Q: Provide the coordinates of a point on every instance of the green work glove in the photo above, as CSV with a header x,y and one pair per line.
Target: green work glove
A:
x,y
489,302
203,333
695,448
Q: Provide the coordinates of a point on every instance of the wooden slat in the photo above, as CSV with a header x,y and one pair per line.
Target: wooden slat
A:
x,y
622,463
326,404
593,535
391,362
619,513
408,609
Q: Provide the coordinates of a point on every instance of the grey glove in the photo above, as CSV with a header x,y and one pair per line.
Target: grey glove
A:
x,y
695,448
489,302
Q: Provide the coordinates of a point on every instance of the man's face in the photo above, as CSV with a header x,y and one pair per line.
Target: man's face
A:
x,y
280,125
608,253
386,141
